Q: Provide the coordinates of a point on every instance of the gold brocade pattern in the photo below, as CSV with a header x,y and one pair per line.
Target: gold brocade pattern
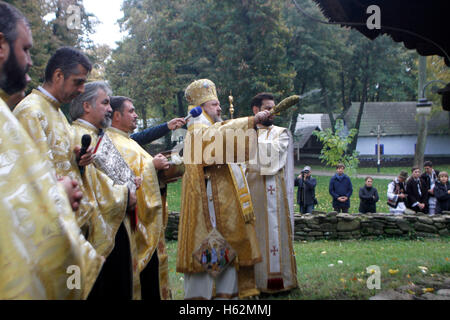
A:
x,y
39,235
150,224
201,91
111,199
48,127
195,222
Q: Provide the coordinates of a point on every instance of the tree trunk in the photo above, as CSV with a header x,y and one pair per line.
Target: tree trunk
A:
x,y
326,104
297,111
352,146
422,117
144,117
421,141
181,112
344,101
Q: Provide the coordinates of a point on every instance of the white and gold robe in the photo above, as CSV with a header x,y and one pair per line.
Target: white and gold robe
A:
x,y
152,217
271,189
41,245
214,196
111,222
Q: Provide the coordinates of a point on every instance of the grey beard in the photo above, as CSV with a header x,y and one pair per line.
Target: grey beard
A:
x,y
106,123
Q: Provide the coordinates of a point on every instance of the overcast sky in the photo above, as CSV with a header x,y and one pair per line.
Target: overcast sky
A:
x,y
107,12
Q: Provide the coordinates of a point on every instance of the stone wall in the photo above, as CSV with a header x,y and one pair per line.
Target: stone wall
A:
x,y
369,226
172,226
333,226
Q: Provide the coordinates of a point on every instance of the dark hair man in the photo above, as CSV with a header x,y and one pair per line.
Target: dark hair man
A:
x,y
429,179
272,193
41,115
341,190
306,193
34,210
417,192
150,241
396,194
17,41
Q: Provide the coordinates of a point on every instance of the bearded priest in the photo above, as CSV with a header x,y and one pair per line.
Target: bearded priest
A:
x,y
41,115
41,246
119,279
271,187
215,204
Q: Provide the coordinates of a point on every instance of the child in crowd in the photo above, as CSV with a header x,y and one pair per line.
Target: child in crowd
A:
x,y
442,193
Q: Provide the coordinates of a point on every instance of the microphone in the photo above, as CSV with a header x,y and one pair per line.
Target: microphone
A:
x,y
194,113
85,143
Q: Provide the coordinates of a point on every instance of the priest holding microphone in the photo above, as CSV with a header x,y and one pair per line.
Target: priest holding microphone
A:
x,y
41,116
91,114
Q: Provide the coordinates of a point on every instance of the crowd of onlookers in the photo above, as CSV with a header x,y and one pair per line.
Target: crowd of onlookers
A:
x,y
427,192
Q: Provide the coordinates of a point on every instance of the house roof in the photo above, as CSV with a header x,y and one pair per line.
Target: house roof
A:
x,y
304,135
419,24
307,120
306,124
396,119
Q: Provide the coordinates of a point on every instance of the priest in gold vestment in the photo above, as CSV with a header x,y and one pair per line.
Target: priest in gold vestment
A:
x,y
119,279
39,236
103,207
271,187
40,242
215,197
152,214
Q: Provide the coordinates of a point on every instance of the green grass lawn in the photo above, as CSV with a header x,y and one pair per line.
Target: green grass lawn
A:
x,y
318,280
322,195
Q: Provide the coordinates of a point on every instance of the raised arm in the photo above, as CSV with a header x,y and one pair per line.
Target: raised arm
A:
x,y
151,134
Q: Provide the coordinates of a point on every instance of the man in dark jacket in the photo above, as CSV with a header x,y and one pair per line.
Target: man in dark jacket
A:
x,y
341,189
417,192
368,196
429,179
154,133
306,194
442,193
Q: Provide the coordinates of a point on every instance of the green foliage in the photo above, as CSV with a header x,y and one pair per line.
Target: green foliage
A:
x,y
241,46
335,147
345,65
248,47
245,47
52,34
